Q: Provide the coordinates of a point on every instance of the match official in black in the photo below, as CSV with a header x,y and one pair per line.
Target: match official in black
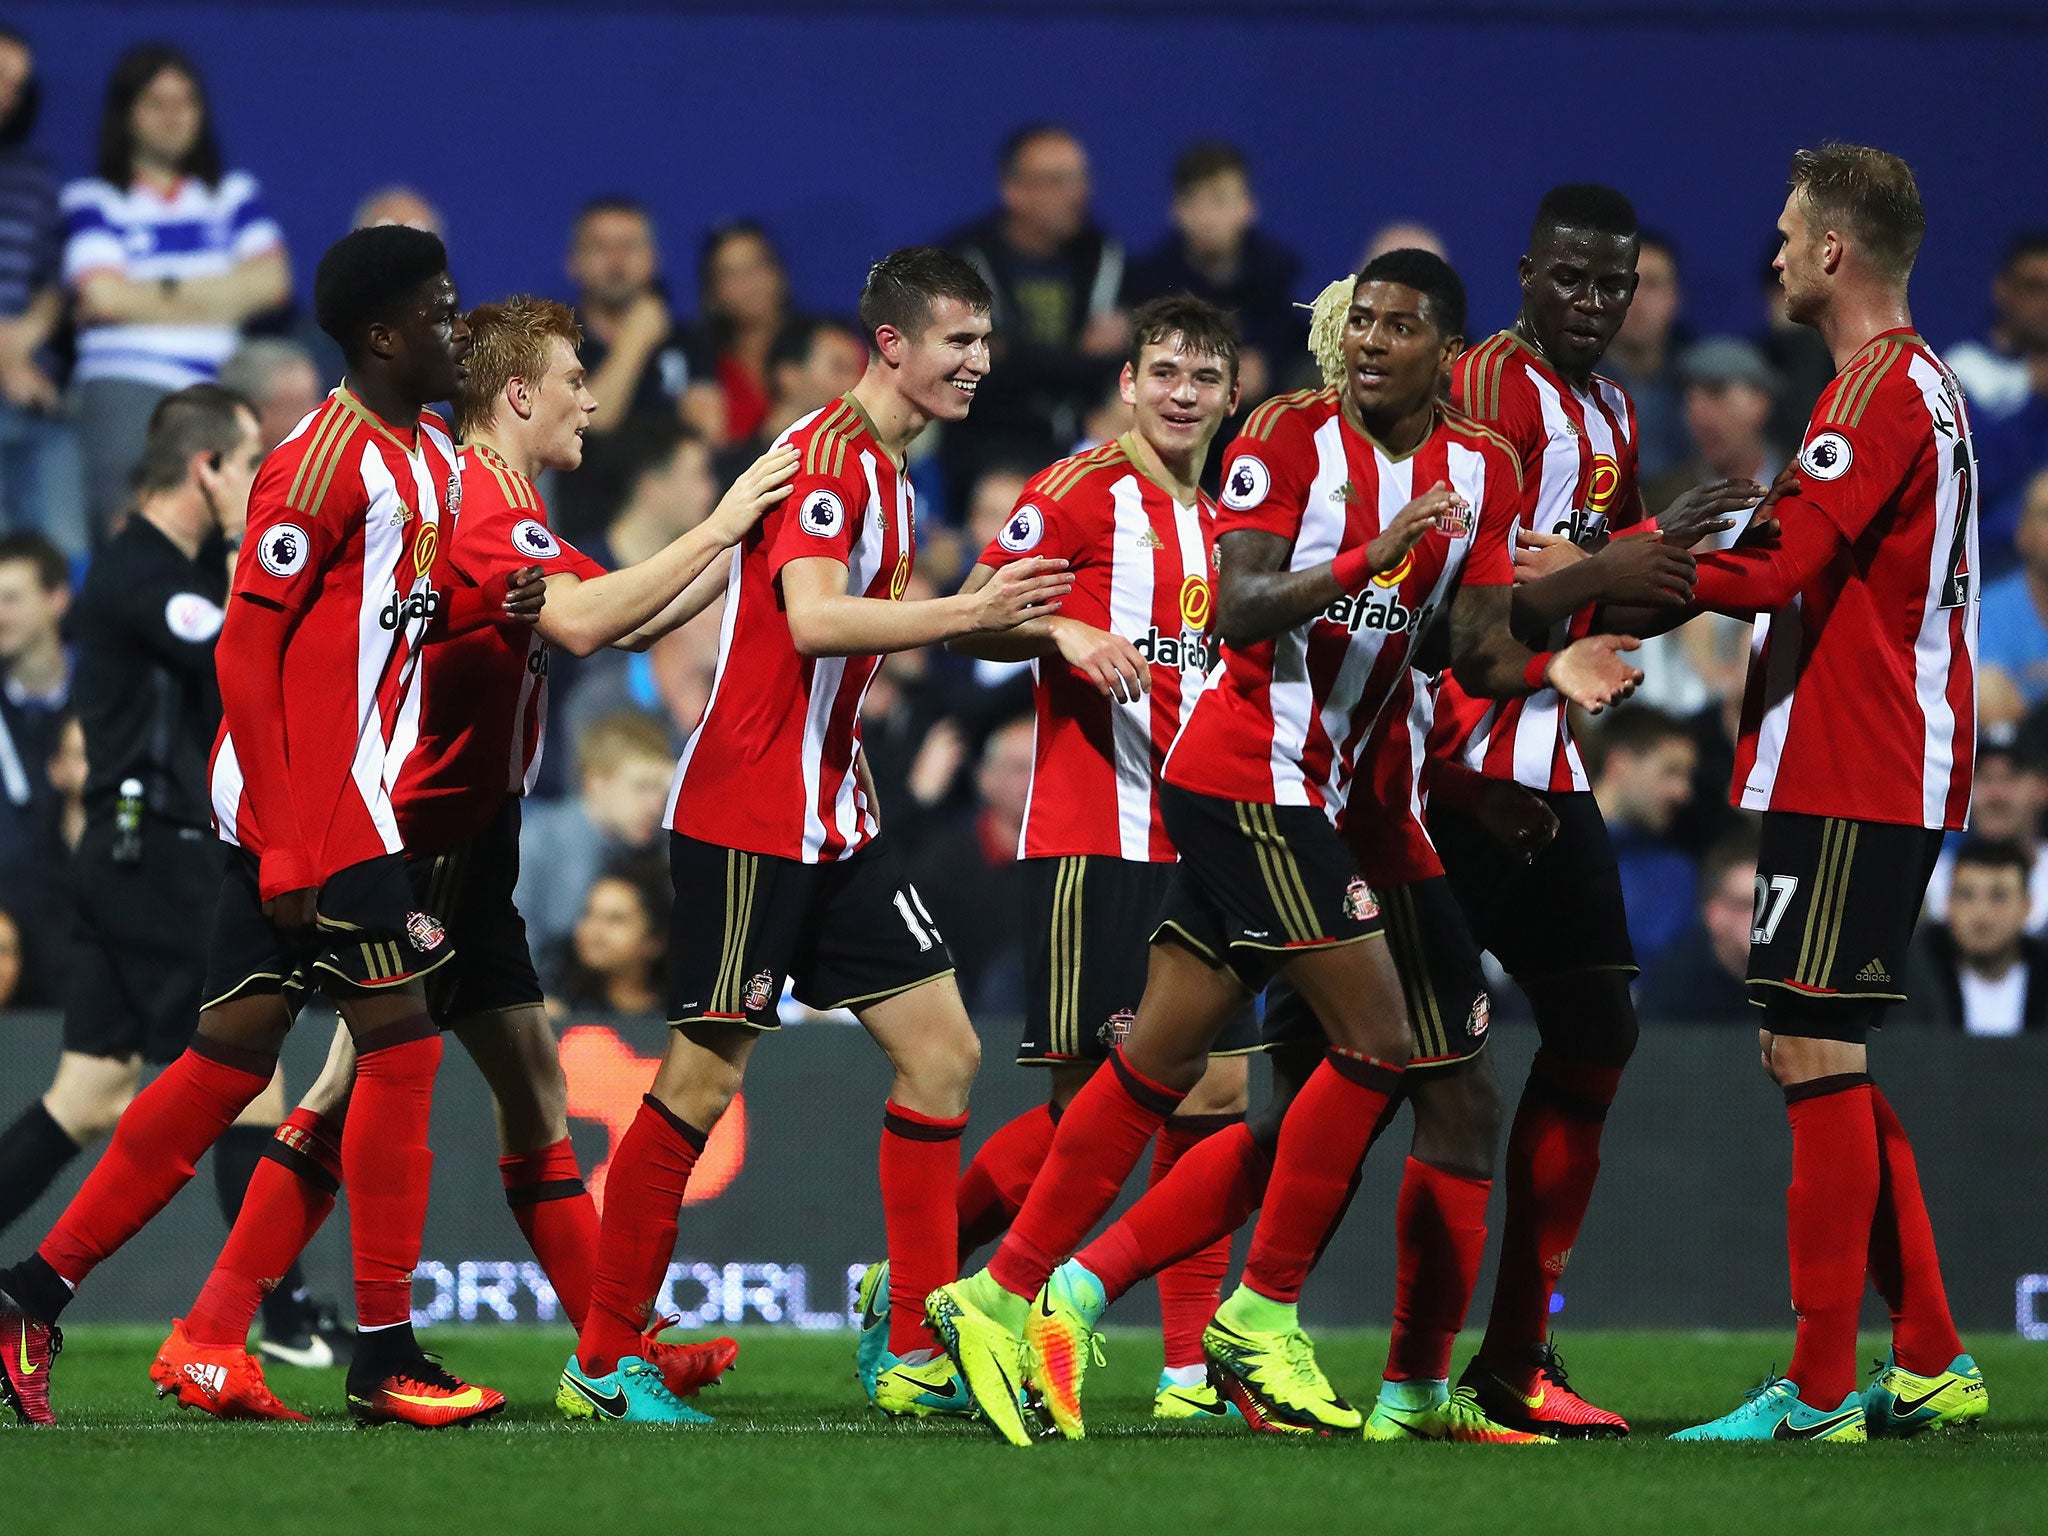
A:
x,y
148,868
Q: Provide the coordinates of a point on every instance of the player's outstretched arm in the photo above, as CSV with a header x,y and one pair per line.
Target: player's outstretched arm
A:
x,y
1257,597
826,620
636,606
1108,661
1634,569
1490,663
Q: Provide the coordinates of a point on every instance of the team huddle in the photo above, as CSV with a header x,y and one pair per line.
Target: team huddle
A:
x,y
1302,754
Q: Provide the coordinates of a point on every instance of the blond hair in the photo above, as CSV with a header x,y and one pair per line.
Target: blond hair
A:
x,y
1867,193
508,341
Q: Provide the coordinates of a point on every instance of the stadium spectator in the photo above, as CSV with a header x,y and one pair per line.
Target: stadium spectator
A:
x,y
35,679
37,879
280,379
1644,356
1698,979
623,765
636,352
2005,376
2012,616
1218,252
1643,775
1979,970
616,957
2008,802
969,876
167,254
812,363
1059,336
743,291
399,204
11,970
41,482
668,489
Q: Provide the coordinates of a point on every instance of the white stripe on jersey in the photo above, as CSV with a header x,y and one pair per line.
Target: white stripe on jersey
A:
x,y
1778,681
1933,655
520,771
1291,694
1421,716
383,543
227,791
1130,613
726,621
1396,478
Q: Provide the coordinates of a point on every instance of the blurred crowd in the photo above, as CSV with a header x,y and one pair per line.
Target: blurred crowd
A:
x,y
163,268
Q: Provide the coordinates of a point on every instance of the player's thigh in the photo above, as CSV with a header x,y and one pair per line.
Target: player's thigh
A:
x,y
1189,1001
268,1107
1356,994
926,1035
734,932
329,1095
88,1093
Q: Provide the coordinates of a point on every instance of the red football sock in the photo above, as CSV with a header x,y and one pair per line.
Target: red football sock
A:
x,y
1553,1159
993,1188
920,1173
1189,1288
157,1144
559,1219
1440,1234
1329,1128
290,1195
1903,1261
1829,1208
1101,1137
643,1194
388,1166
1212,1191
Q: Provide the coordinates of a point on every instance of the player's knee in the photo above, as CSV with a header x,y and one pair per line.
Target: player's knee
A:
x,y
1587,1017
1457,1117
943,1064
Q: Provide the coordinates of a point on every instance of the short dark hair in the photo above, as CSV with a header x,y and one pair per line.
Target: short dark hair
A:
x,y
1996,853
609,202
1203,328
1588,205
1637,729
1020,139
2025,245
1429,275
52,569
133,71
797,338
21,122
201,418
367,274
1207,160
904,285
1870,194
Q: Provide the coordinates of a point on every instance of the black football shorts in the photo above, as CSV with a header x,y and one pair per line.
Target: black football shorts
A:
x,y
469,888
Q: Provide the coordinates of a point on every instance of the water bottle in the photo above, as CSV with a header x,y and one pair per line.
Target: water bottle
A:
x,y
128,823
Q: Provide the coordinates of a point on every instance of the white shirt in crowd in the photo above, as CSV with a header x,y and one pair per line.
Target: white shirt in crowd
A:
x,y
1994,1005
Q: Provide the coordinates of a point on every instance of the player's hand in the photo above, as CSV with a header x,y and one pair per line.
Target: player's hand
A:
x,y
1591,672
1024,589
760,486
1518,818
1706,509
294,909
1538,555
1108,661
526,592
1643,572
1439,506
1763,524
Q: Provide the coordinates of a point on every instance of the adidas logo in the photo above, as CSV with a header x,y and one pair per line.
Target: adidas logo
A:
x,y
1150,539
1554,1265
1875,971
210,1377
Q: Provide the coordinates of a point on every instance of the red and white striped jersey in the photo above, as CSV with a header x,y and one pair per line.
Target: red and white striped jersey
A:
x,y
345,524
771,768
1383,817
1577,451
1280,722
484,694
1141,566
1862,693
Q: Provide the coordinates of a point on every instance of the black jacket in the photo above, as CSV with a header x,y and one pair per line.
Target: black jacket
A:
x,y
1934,983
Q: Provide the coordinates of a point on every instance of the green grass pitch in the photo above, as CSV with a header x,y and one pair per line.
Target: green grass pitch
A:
x,y
796,1450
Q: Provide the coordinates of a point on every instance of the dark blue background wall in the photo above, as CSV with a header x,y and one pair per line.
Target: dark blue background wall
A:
x,y
851,128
